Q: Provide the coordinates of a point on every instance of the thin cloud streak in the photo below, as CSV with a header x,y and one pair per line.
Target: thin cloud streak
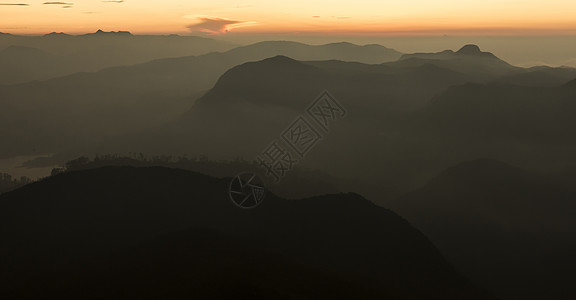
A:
x,y
216,25
58,3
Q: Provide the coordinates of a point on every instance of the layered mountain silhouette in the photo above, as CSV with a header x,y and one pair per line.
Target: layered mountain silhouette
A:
x,y
410,140
492,111
158,232
149,93
257,101
158,91
59,54
368,54
115,33
461,122
539,76
508,228
469,60
468,51
99,50
299,183
282,82
253,103
21,64
129,98
405,111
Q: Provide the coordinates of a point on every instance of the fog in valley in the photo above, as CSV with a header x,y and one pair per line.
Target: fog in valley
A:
x,y
401,167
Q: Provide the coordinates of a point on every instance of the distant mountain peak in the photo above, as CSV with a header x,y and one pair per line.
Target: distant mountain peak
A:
x,y
102,32
277,42
56,34
341,44
469,49
474,50
275,61
280,59
340,51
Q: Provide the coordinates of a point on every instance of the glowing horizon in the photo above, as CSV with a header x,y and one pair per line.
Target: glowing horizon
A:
x,y
363,17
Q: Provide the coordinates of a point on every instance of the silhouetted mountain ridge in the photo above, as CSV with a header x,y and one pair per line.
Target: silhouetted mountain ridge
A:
x,y
539,76
470,60
57,34
487,215
96,51
232,85
466,50
474,50
102,221
487,110
371,54
117,33
175,83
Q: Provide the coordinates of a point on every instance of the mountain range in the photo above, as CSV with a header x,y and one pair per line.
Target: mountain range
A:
x,y
404,113
158,232
510,229
476,153
131,98
27,58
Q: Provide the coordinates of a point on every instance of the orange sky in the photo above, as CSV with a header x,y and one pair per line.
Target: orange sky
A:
x,y
392,17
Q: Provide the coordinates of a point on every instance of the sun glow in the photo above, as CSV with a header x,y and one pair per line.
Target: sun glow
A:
x,y
393,17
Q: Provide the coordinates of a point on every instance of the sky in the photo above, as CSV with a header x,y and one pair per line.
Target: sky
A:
x,y
360,17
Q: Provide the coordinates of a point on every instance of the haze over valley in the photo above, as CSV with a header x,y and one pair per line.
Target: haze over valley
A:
x,y
349,154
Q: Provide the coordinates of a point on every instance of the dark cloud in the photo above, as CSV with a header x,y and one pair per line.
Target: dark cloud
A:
x,y
212,25
113,1
58,3
15,4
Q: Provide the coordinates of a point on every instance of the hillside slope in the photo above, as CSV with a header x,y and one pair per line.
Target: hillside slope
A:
x,y
171,233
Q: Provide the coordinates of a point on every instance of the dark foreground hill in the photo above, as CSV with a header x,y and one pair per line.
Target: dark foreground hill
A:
x,y
166,233
510,229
